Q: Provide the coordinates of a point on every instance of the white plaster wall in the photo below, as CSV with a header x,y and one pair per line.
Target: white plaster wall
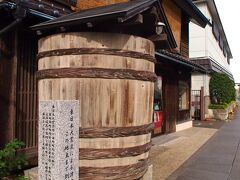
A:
x,y
237,88
213,49
202,42
197,38
201,80
183,126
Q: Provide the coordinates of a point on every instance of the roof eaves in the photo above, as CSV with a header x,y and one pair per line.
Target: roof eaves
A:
x,y
205,21
193,12
107,12
180,60
51,24
212,65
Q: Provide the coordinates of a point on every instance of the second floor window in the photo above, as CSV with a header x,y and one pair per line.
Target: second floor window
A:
x,y
215,31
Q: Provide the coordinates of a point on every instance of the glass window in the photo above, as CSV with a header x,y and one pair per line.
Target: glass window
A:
x,y
183,95
221,43
224,52
158,94
215,31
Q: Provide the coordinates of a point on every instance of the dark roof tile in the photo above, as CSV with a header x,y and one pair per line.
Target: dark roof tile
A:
x,y
177,58
120,10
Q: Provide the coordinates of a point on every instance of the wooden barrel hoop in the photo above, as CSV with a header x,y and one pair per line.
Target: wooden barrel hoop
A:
x,y
133,171
108,132
103,51
91,154
96,73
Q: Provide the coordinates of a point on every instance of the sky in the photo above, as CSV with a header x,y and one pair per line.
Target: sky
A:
x,y
229,13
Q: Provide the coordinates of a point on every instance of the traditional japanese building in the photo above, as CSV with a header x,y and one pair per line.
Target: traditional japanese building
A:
x,y
174,68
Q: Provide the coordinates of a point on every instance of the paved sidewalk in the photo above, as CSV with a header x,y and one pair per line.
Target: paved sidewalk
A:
x,y
218,159
171,151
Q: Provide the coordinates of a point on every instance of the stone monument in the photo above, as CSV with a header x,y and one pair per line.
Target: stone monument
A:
x,y
58,140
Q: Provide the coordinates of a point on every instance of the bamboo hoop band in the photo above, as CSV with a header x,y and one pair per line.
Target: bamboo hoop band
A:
x,y
96,73
112,132
134,171
103,51
91,154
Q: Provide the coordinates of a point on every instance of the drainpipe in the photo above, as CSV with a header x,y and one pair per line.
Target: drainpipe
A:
x,y
19,14
7,5
2,5
41,15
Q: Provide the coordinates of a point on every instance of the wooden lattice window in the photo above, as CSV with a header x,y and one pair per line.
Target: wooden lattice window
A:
x,y
26,105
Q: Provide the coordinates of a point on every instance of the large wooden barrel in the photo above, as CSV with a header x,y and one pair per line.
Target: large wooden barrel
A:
x,y
112,76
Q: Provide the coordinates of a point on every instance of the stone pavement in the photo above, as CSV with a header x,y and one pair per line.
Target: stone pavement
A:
x,y
198,153
218,159
171,151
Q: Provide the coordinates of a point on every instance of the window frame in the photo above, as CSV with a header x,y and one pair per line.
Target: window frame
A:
x,y
187,94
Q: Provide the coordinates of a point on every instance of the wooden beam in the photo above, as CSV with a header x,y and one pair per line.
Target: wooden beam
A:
x,y
154,12
138,19
158,38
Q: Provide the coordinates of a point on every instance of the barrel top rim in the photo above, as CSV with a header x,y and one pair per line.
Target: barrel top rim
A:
x,y
86,32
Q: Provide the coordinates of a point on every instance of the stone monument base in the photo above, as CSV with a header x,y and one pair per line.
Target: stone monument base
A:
x,y
32,174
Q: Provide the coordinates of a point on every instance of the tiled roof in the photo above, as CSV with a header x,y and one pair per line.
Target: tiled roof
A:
x,y
120,11
177,58
212,66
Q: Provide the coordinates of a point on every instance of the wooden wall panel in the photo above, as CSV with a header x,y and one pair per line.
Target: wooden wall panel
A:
x,y
184,48
171,102
87,4
67,2
174,16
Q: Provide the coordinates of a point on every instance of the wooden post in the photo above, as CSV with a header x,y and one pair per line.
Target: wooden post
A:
x,y
202,115
7,86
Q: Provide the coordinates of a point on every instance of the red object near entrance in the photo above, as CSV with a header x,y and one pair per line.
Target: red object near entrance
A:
x,y
158,119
